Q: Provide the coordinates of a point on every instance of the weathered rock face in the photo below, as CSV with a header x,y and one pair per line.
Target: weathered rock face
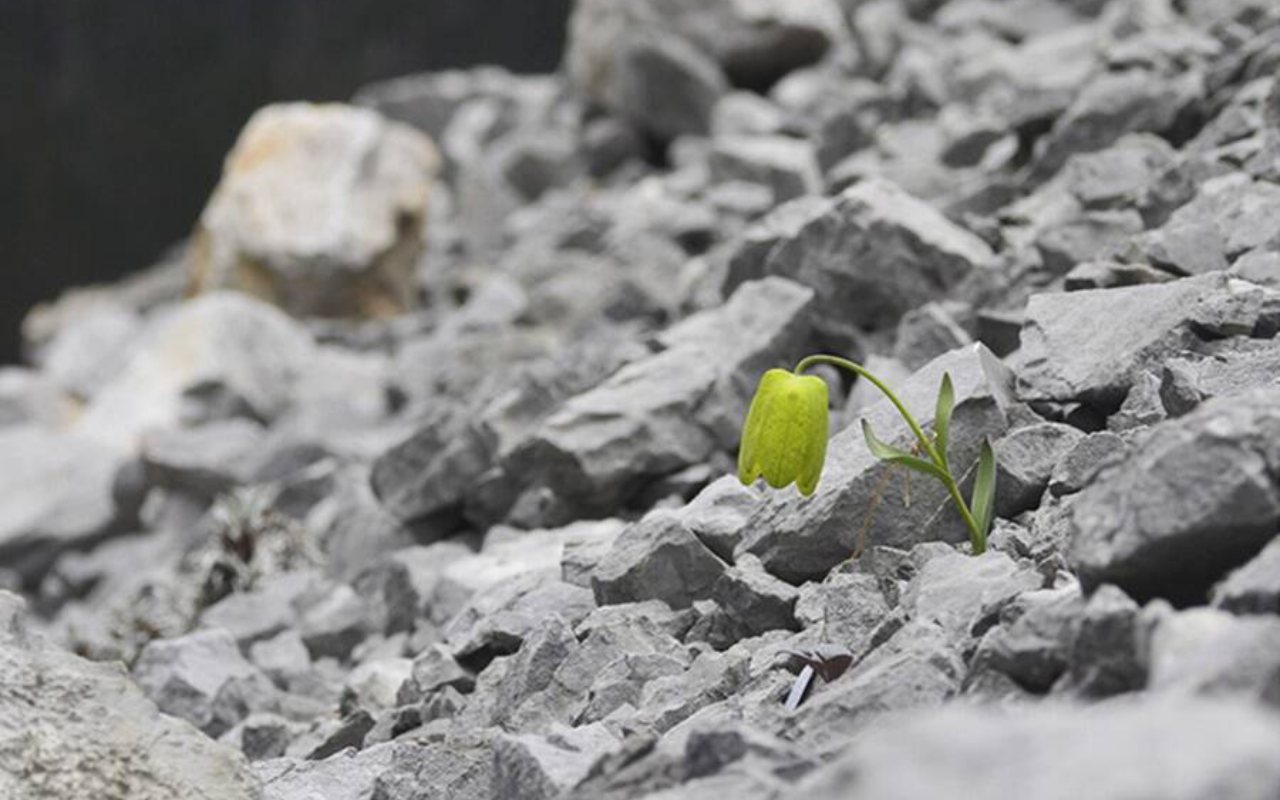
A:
x,y
321,210
1196,498
73,728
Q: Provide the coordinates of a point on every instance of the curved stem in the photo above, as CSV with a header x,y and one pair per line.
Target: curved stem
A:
x,y
977,538
858,369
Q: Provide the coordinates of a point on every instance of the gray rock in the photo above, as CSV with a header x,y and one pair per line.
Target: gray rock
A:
x,y
786,166
668,700
586,547
1229,216
203,679
756,600
1219,749
783,223
717,514
1109,654
801,538
754,43
349,775
56,494
668,411
657,558
1032,644
218,356
1112,105
28,396
1121,175
369,178
497,621
375,683
1067,356
433,669
261,736
541,767
401,586
926,333
1111,275
1253,588
204,461
1196,498
332,620
283,657
845,609
263,611
1210,652
916,667
666,86
1078,467
960,593
74,728
875,253
1025,459
86,354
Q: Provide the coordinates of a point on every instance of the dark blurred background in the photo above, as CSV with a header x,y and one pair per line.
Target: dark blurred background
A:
x,y
116,115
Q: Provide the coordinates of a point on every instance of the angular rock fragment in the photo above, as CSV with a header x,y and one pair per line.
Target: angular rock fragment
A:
x,y
203,679
56,494
665,412
219,356
1255,587
542,767
74,728
658,558
872,254
1067,356
1194,499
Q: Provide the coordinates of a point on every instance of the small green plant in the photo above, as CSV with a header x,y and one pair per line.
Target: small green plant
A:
x,y
784,440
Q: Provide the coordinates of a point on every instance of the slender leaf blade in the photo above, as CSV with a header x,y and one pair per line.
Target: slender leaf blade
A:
x,y
893,455
942,416
984,489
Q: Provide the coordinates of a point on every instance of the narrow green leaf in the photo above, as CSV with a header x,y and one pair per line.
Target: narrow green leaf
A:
x,y
893,455
942,416
984,489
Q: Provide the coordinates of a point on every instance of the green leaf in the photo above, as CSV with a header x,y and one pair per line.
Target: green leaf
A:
x,y
942,416
893,455
984,488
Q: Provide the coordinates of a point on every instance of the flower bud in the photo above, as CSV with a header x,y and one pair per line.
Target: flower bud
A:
x,y
785,435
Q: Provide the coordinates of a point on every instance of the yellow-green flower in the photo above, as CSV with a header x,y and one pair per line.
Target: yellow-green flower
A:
x,y
785,436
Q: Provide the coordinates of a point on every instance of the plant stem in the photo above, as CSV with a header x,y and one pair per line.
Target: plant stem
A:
x,y
977,538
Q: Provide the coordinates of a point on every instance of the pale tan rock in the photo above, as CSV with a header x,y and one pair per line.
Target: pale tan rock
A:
x,y
320,211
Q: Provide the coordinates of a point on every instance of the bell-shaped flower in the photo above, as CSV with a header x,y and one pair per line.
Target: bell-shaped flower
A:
x,y
785,436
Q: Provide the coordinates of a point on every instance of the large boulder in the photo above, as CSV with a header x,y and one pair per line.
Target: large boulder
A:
x,y
320,210
71,728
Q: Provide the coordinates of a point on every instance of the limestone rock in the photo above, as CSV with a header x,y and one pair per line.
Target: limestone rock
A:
x,y
320,210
